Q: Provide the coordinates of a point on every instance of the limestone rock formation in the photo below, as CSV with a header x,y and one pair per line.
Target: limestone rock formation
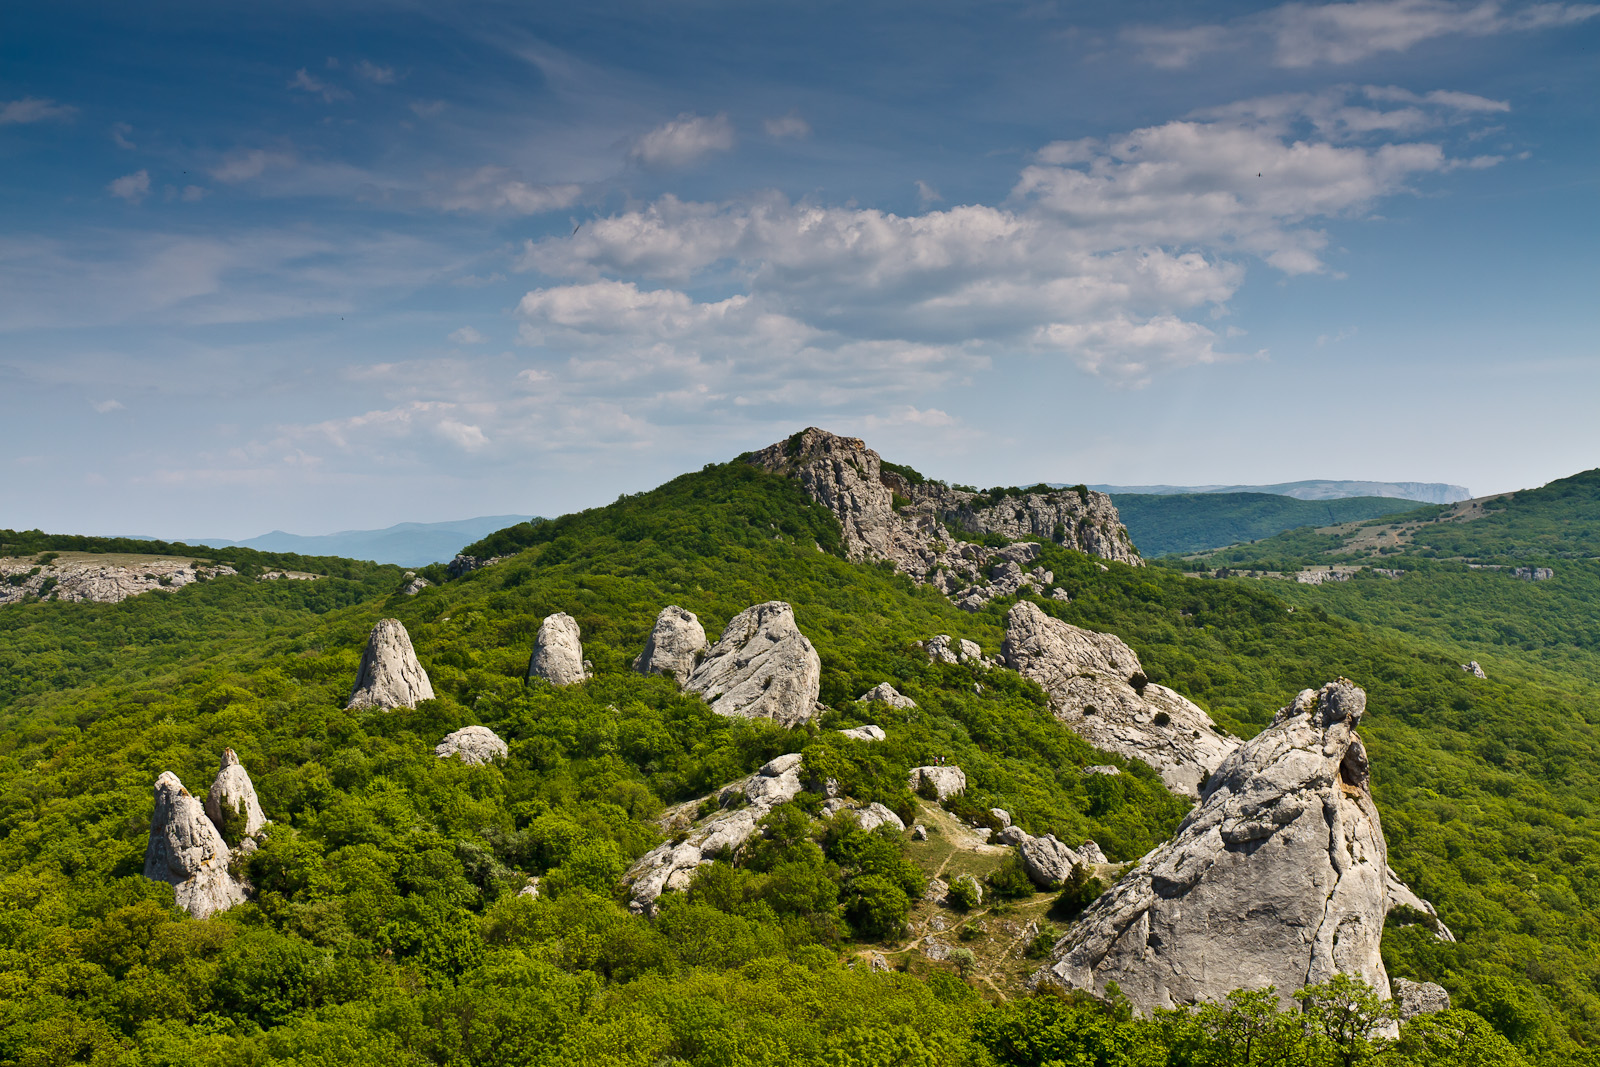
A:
x,y
884,693
1279,877
1098,688
1401,897
762,668
100,582
558,652
474,745
1089,852
415,583
672,865
942,648
1473,669
1103,768
869,816
231,805
390,676
467,564
848,478
188,853
1002,816
1419,998
674,645
947,780
1047,861
865,733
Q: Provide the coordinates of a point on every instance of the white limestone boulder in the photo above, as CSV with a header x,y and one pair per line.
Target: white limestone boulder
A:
x,y
674,646
762,668
558,652
390,674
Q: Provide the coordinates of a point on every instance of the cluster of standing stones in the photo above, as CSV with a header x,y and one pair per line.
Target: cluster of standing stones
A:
x,y
1279,875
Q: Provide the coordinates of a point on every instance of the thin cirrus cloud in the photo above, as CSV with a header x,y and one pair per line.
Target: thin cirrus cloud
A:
x,y
498,189
682,141
1300,35
31,109
787,127
131,187
1108,251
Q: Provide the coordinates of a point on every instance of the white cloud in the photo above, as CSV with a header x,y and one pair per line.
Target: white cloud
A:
x,y
375,74
250,163
927,193
427,109
683,140
469,438
193,194
1302,35
119,136
307,82
106,406
496,189
32,109
467,336
131,187
790,126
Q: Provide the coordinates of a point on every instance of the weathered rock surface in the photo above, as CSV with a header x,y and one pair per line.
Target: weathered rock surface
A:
x,y
762,668
231,805
415,583
672,865
947,780
1473,669
1047,861
474,745
1279,877
674,645
1002,816
467,564
884,693
869,816
1402,896
1098,688
942,648
558,652
390,675
1089,852
1419,998
865,733
188,853
849,479
1103,768
100,582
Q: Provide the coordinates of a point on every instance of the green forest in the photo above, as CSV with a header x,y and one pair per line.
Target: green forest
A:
x,y
386,924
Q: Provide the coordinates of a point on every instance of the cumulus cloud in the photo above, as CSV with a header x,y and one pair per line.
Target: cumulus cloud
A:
x,y
105,407
1299,35
131,187
467,336
375,74
683,140
498,189
790,126
251,163
32,109
1108,252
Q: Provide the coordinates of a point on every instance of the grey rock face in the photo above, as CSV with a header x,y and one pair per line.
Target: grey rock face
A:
x,y
188,853
884,693
942,648
1002,816
947,780
415,584
1103,768
474,745
1047,861
232,799
1012,835
1097,687
1534,574
674,645
865,733
390,676
1419,998
467,564
1090,853
672,865
99,582
875,815
1473,669
1401,896
558,652
762,668
1279,877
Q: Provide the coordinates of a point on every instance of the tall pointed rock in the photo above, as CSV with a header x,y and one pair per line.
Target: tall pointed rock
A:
x,y
231,805
390,676
188,853
558,652
674,646
762,668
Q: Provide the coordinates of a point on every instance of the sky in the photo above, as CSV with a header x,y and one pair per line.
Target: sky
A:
x,y
340,265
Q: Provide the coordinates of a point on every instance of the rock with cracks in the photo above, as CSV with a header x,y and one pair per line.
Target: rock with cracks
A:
x,y
884,693
674,645
762,668
390,676
1098,688
1278,878
946,780
673,864
558,652
231,805
1412,999
473,745
865,733
188,853
1047,861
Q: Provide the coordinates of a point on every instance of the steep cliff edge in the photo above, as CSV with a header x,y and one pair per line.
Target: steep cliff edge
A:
x,y
1280,876
913,531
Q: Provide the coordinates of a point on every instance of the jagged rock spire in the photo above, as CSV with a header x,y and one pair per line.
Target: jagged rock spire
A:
x,y
390,676
558,652
231,805
762,668
188,853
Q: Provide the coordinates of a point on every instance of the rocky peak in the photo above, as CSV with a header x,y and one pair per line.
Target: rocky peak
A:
x,y
188,853
1279,877
848,478
390,674
231,805
1097,687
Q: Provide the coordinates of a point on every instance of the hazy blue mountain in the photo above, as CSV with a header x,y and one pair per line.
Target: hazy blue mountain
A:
x,y
409,544
1162,523
1312,489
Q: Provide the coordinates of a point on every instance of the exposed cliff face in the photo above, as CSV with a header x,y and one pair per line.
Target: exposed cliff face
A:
x,y
231,805
1097,686
187,852
100,581
762,668
848,478
390,675
1279,877
558,652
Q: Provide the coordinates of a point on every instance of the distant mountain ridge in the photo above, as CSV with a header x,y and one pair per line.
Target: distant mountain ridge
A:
x,y
408,544
1312,489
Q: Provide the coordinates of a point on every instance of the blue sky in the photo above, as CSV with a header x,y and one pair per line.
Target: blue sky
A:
x,y
341,265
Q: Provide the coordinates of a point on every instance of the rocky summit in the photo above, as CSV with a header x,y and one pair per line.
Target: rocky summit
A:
x,y
762,668
888,513
188,853
1097,686
390,675
1278,878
